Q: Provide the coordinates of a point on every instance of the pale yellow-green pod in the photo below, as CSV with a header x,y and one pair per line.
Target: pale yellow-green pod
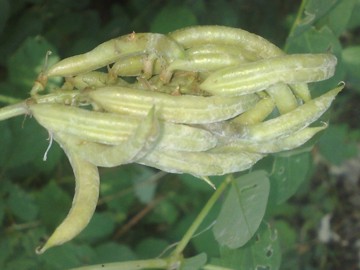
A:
x,y
301,90
201,164
114,129
110,51
257,114
91,80
186,138
222,35
256,76
205,62
288,123
224,49
179,109
101,127
290,142
283,97
84,202
137,145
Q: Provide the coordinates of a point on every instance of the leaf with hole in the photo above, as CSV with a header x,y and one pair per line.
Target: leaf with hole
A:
x,y
243,210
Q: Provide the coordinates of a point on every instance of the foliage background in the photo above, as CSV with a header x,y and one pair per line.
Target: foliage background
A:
x,y
142,211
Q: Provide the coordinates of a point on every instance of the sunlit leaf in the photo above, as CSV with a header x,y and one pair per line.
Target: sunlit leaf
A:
x,y
243,210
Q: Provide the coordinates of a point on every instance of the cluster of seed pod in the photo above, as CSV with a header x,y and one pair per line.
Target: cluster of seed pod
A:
x,y
197,101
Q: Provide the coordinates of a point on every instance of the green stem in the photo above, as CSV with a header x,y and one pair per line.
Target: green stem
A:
x,y
9,100
199,219
215,267
131,265
13,110
297,21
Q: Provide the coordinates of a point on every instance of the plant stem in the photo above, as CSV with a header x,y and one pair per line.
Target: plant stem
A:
x,y
13,110
297,21
130,265
199,219
9,100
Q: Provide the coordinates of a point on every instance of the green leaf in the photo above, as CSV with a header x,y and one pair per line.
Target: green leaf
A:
x,y
314,10
100,226
334,144
144,184
151,247
28,61
112,252
4,13
355,18
6,140
289,172
261,253
194,263
338,18
243,210
54,203
21,204
351,58
116,190
171,18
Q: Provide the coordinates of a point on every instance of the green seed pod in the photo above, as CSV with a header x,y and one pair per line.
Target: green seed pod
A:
x,y
290,142
84,203
256,76
222,35
288,123
217,161
256,114
133,148
224,49
106,128
178,109
114,129
205,62
283,97
112,50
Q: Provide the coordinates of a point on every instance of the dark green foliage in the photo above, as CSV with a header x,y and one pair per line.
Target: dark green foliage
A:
x,y
141,212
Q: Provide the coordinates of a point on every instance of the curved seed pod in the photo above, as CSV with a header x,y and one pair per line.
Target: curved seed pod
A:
x,y
301,90
205,62
283,97
277,145
110,51
138,64
84,202
114,129
61,96
201,164
286,124
200,35
256,76
107,128
178,109
133,148
184,138
225,49
92,79
256,114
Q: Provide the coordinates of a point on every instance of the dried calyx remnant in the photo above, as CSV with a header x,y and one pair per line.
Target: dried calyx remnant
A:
x,y
200,104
